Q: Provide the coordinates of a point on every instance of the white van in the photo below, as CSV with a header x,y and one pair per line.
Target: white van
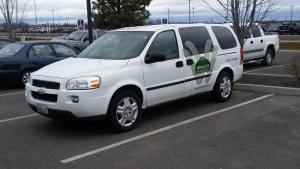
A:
x,y
130,69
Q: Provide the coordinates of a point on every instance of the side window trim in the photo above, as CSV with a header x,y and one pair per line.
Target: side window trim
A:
x,y
176,39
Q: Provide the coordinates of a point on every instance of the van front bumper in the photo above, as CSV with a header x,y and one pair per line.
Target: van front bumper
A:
x,y
90,103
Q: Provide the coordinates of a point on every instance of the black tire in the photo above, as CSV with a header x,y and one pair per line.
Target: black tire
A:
x,y
218,93
269,56
22,77
112,115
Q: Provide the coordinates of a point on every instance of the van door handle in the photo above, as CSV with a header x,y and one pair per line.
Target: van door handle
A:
x,y
262,41
189,62
251,42
179,64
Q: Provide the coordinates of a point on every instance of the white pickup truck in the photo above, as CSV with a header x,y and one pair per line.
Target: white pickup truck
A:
x,y
261,46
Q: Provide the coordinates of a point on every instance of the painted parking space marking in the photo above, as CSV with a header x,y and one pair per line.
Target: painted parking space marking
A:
x,y
142,136
273,75
11,94
265,68
17,118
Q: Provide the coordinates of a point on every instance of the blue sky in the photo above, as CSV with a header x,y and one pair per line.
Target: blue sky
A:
x,y
70,10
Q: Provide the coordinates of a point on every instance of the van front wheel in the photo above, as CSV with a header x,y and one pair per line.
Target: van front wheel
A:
x,y
124,111
223,87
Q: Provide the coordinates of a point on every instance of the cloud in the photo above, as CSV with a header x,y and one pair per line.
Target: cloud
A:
x,y
76,9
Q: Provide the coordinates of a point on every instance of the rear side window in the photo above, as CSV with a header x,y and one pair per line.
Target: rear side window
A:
x,y
225,37
256,32
195,40
64,51
41,51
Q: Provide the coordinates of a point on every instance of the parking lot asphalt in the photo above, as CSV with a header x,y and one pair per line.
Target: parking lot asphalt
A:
x,y
275,75
252,130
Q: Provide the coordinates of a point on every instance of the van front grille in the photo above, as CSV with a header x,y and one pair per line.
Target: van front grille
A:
x,y
45,84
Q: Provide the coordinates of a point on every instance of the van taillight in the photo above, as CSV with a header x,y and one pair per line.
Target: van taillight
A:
x,y
242,55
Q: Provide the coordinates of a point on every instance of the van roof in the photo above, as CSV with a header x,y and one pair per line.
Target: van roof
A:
x,y
154,28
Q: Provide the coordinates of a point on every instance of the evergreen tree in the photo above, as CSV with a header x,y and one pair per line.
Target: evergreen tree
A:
x,y
112,14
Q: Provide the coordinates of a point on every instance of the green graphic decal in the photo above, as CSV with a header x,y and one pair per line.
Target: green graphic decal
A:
x,y
202,66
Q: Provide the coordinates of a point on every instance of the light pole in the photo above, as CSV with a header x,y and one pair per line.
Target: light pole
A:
x,y
292,11
89,17
52,16
189,11
168,16
193,14
35,12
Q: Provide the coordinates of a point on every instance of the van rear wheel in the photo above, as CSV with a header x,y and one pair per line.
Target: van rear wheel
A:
x,y
124,111
223,87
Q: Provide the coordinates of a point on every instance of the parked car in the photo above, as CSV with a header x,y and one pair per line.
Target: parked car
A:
x,y
131,69
79,39
289,28
4,42
261,45
58,38
19,60
38,30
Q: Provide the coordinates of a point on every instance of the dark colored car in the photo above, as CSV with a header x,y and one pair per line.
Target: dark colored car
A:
x,y
18,60
292,29
4,42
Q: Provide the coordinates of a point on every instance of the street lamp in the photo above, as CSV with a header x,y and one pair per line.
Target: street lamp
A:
x,y
193,14
52,16
292,10
35,12
168,16
189,11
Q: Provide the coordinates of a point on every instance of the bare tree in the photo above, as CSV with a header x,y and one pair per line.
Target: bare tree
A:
x,y
243,13
7,8
10,12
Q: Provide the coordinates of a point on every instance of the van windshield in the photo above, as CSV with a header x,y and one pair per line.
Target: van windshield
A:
x,y
117,45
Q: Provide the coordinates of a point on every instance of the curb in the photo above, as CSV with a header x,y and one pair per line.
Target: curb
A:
x,y
268,89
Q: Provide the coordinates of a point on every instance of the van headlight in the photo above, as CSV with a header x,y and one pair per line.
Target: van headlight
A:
x,y
84,83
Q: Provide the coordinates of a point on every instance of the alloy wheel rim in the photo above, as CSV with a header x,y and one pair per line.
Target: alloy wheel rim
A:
x,y
225,87
26,78
127,111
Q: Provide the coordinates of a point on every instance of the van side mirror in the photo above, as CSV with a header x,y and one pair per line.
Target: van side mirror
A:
x,y
155,57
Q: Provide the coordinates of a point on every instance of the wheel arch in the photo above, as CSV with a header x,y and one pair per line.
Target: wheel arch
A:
x,y
132,87
227,69
272,47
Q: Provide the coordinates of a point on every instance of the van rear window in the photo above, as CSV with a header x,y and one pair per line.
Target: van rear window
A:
x,y
225,37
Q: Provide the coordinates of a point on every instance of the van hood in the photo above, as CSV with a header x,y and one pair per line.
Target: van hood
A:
x,y
74,67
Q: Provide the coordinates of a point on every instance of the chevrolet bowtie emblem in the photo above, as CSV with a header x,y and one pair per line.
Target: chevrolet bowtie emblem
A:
x,y
41,91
